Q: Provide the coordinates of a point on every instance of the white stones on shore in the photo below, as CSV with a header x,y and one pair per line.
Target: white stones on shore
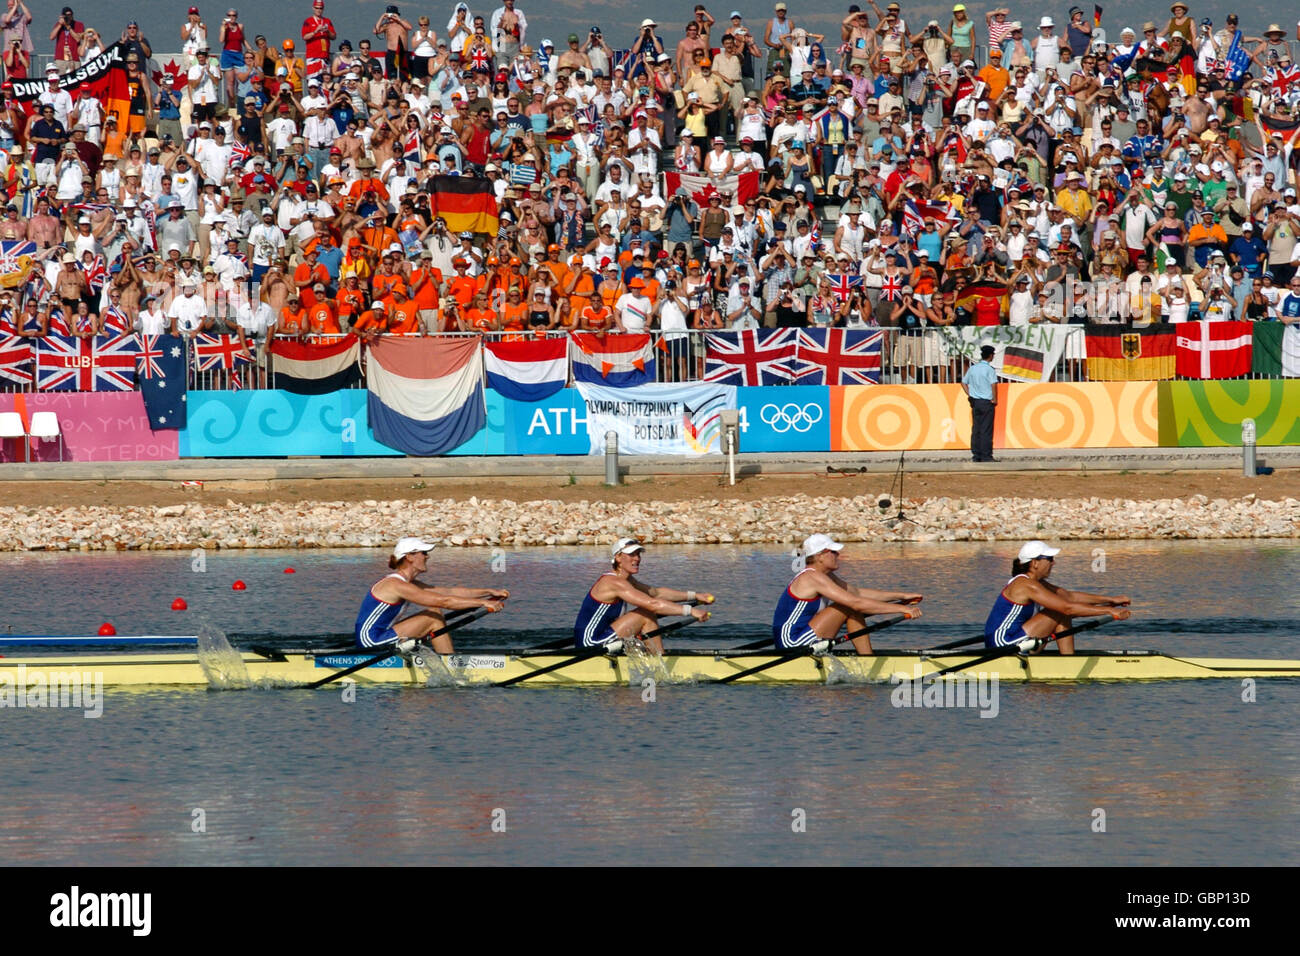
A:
x,y
502,523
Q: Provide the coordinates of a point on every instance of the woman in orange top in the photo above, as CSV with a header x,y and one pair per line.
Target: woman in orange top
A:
x,y
478,317
610,288
580,288
355,262
403,315
293,319
514,312
426,281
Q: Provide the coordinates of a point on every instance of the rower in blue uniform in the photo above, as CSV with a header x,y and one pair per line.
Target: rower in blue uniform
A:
x,y
818,602
377,621
1030,608
603,616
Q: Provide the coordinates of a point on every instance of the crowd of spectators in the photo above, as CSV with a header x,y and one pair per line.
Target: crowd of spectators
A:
x,y
888,172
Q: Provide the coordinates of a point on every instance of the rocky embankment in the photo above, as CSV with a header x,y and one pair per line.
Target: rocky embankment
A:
x,y
506,523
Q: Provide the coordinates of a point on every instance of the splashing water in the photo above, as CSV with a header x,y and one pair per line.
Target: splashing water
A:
x,y
222,665
641,663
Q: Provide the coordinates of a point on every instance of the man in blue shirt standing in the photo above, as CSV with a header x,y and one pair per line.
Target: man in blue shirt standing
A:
x,y
980,385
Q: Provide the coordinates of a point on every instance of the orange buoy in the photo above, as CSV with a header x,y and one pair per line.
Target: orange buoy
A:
x,y
180,605
107,630
239,586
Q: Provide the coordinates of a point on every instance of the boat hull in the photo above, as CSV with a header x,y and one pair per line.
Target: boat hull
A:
x,y
490,667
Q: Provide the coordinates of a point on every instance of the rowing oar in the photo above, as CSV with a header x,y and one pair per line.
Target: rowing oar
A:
x,y
1015,648
568,641
967,641
594,652
807,652
447,628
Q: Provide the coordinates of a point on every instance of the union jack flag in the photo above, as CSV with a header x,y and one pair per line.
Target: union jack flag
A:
x,y
16,359
115,320
597,124
96,273
891,288
913,221
219,351
104,363
411,147
838,357
622,60
15,259
479,57
749,357
1281,78
843,285
239,153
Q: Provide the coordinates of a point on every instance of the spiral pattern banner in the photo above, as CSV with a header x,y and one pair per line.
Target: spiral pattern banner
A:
x,y
1209,414
1079,415
899,417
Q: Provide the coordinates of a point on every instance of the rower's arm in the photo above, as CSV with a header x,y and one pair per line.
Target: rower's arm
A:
x,y
859,599
1121,600
446,598
651,599
672,594
1074,604
891,597
476,593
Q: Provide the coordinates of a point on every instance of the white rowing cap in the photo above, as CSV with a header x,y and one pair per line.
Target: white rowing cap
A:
x,y
817,543
407,546
1037,549
626,546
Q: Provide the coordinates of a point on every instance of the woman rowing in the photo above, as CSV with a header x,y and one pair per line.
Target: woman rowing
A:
x,y
817,603
377,620
602,618
1030,608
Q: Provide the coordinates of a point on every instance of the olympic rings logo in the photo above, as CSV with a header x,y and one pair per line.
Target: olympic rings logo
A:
x,y
791,416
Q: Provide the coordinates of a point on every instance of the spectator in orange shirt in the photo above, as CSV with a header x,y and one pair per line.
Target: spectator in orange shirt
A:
x,y
360,189
596,316
462,287
580,287
403,316
293,318
995,75
478,317
308,274
352,299
426,287
924,278
385,278
321,314
552,264
514,312
373,322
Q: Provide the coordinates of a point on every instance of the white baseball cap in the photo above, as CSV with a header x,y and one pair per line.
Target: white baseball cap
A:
x,y
817,543
407,546
626,546
1036,549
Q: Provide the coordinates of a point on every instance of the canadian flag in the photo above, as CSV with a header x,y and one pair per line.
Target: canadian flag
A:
x,y
740,187
1214,349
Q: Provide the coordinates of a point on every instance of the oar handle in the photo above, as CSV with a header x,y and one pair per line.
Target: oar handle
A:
x,y
1013,649
807,651
591,652
869,629
567,642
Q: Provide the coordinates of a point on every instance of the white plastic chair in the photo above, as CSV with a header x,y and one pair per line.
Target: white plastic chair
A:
x,y
11,426
45,426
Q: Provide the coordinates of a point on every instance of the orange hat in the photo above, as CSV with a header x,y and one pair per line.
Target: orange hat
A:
x,y
288,44
514,260
636,284
492,261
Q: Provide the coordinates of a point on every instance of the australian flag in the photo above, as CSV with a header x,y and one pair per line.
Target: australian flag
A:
x,y
161,375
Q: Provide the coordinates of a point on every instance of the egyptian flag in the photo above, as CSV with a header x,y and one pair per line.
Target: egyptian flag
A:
x,y
426,394
311,369
1131,355
467,204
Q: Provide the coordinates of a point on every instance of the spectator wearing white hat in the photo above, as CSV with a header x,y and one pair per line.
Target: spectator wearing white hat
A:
x,y
1046,46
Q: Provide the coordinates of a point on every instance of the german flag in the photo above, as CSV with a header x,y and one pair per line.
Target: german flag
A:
x,y
1022,362
1277,124
1126,354
467,204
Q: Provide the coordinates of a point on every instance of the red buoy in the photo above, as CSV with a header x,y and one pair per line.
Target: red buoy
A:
x,y
107,630
290,571
239,586
180,605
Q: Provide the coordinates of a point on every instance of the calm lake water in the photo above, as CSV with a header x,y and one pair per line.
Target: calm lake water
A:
x,y
1185,772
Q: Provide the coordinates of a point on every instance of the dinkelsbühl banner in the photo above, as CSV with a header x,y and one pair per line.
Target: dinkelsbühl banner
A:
x,y
659,418
1025,353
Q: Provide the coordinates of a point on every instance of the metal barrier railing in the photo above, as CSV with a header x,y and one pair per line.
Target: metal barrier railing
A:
x,y
679,356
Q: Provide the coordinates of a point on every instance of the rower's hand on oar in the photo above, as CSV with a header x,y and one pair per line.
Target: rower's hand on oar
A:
x,y
700,614
1120,614
910,613
499,593
494,604
704,597
912,599
1121,601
